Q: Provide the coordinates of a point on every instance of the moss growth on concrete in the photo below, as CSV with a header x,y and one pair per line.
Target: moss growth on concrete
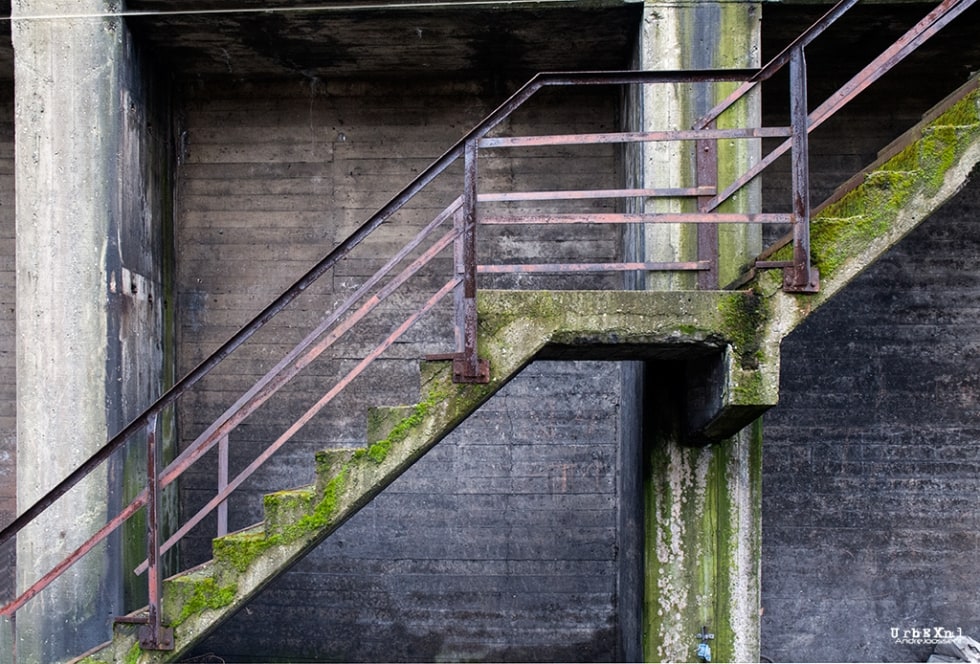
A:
x,y
237,551
92,659
322,515
133,656
743,316
194,595
850,225
847,228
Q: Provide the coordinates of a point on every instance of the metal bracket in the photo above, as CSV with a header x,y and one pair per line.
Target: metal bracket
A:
x,y
461,368
798,281
156,639
462,372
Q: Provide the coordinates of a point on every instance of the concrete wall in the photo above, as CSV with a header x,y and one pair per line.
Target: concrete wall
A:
x,y
8,382
503,542
870,507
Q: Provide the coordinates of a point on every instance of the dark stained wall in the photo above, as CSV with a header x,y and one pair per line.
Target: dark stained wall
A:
x,y
501,543
870,480
871,504
8,395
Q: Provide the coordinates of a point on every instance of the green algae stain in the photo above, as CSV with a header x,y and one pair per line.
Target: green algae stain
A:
x,y
743,316
133,655
239,550
203,594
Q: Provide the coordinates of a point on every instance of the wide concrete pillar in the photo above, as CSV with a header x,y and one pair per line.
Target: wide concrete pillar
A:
x,y
701,505
702,526
683,36
67,118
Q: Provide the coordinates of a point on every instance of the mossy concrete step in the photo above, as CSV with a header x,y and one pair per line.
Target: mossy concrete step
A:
x,y
284,508
383,420
329,463
878,207
729,375
716,332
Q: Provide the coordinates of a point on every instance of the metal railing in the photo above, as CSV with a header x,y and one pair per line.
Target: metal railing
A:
x,y
461,239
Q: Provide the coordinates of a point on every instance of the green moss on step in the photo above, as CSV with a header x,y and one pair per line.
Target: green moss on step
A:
x,y
322,515
378,452
203,594
848,227
237,551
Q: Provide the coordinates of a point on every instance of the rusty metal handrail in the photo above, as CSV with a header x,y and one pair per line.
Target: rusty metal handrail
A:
x,y
463,211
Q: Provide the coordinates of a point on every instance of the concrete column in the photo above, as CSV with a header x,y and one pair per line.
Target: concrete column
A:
x,y
698,35
701,505
67,92
702,538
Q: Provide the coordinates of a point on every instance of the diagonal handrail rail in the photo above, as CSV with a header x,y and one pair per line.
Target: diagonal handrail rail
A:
x,y
462,210
193,377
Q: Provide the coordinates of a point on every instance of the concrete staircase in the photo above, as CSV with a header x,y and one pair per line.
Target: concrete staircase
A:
x,y
727,340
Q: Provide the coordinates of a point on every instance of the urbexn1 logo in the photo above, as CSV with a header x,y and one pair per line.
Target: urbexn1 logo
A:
x,y
930,635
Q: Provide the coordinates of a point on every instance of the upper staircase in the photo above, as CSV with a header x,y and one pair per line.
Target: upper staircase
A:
x,y
727,340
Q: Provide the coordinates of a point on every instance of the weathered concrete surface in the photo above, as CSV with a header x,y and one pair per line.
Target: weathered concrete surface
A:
x,y
723,393
703,35
89,342
8,373
66,89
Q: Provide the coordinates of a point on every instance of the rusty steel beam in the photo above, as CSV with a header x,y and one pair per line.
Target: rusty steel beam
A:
x,y
801,277
603,138
640,218
556,268
707,176
467,368
584,194
153,635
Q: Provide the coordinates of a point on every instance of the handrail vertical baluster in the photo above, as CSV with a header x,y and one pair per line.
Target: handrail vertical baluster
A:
x,y
222,511
153,635
801,277
707,176
467,367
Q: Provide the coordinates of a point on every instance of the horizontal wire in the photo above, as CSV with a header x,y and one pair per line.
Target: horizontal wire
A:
x,y
425,4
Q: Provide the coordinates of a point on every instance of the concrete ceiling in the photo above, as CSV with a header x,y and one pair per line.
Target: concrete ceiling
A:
x,y
385,39
368,38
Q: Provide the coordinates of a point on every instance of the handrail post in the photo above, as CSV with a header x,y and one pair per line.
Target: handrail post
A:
x,y
467,366
707,176
222,512
801,277
153,635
